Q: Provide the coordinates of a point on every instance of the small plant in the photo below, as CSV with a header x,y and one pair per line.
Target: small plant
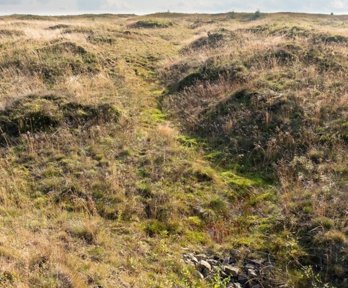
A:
x,y
256,15
219,281
312,279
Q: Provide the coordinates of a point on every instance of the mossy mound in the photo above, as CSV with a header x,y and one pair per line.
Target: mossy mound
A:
x,y
287,31
329,39
323,58
64,47
212,41
78,30
45,113
101,39
209,73
280,55
292,32
59,26
261,127
151,24
52,62
10,33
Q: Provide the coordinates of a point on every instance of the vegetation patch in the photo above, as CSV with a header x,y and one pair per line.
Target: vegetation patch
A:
x,y
52,62
211,41
10,33
250,122
36,113
59,27
287,31
78,30
101,39
152,23
209,73
324,61
330,39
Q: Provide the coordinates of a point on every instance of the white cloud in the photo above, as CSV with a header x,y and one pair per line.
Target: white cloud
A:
x,y
340,4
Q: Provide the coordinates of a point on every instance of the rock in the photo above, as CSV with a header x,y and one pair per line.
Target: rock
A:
x,y
258,262
235,253
249,266
242,278
199,275
231,270
252,273
212,262
204,265
228,260
234,285
194,259
190,259
232,260
201,256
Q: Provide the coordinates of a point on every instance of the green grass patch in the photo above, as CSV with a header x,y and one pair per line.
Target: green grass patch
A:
x,y
155,115
233,179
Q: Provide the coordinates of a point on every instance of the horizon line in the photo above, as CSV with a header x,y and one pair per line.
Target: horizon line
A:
x,y
100,13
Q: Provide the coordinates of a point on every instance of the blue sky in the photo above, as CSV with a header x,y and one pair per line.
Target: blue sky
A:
x,y
148,6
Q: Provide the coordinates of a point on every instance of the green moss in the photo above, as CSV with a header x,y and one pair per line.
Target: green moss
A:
x,y
196,237
144,189
188,141
214,155
262,198
155,115
202,173
194,221
218,205
158,228
243,182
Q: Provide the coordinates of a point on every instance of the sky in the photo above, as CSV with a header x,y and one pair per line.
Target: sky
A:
x,y
57,7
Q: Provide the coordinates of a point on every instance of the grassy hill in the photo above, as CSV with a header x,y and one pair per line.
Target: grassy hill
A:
x,y
174,150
